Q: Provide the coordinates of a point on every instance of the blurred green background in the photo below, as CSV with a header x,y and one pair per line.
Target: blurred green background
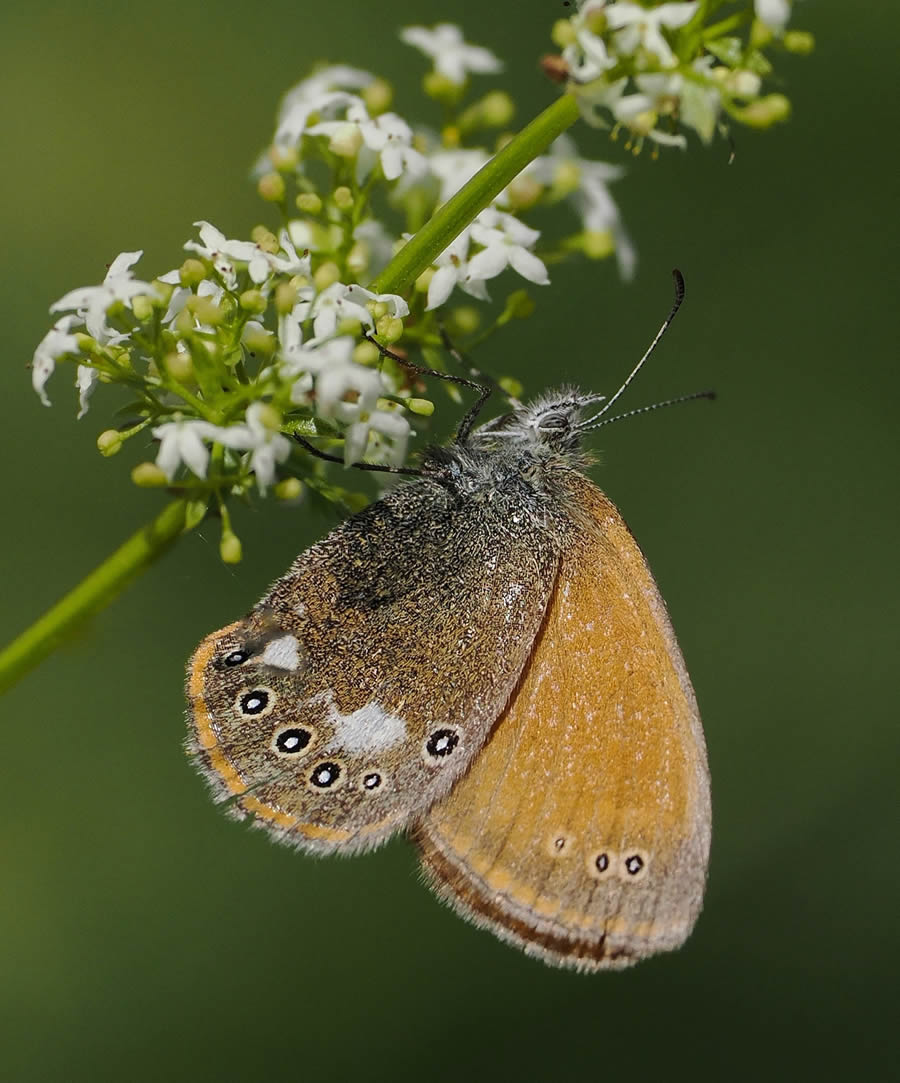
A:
x,y
143,935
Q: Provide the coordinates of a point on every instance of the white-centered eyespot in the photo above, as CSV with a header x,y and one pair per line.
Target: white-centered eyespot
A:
x,y
634,865
255,702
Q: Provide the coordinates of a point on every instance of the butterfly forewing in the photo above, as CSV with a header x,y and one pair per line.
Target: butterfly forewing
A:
x,y
581,831
368,677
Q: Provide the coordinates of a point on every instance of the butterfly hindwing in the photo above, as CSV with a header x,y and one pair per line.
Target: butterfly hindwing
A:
x,y
364,682
581,831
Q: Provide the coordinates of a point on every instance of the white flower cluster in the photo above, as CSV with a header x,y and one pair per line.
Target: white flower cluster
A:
x,y
320,370
607,36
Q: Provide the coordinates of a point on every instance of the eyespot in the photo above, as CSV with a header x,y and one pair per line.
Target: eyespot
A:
x,y
601,864
292,740
255,702
235,658
326,775
441,743
559,844
372,780
634,865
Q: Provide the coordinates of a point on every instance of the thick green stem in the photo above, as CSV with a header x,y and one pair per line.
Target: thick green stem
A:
x,y
92,594
472,198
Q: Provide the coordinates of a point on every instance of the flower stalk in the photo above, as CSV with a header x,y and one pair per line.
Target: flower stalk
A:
x,y
92,594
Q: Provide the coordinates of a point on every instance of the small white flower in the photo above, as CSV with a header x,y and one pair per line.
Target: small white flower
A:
x,y
182,294
182,441
587,56
506,243
91,302
266,446
340,302
387,137
452,270
290,263
221,252
322,94
591,197
449,52
57,342
335,381
85,381
640,27
774,13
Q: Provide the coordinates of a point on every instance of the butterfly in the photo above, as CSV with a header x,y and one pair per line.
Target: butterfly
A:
x,y
480,658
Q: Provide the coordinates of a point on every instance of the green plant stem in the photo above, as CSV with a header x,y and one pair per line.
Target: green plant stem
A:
x,y
94,592
448,222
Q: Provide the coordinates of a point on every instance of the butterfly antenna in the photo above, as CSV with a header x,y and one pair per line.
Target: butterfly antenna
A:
x,y
657,406
484,389
679,297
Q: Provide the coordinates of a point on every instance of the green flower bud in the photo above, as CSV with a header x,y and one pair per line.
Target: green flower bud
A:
x,y
422,407
799,41
497,108
230,549
451,137
284,158
265,238
285,297
343,198
309,203
466,319
767,111
148,476
192,273
326,275
271,187
346,141
524,192
180,366
142,306
253,301
441,88
349,326
289,489
563,33
366,353
259,341
206,310
109,442
597,243
390,328
377,96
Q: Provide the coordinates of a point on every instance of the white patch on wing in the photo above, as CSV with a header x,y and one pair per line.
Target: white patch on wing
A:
x,y
283,653
370,728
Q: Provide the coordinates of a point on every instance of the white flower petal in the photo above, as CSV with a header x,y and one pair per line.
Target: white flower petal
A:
x,y
528,265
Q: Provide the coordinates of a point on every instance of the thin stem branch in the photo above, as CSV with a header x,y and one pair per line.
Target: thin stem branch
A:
x,y
448,222
103,584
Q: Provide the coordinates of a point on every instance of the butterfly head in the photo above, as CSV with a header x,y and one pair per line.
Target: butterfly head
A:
x,y
553,423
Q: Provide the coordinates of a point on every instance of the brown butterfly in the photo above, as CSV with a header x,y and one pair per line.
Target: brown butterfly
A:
x,y
481,657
